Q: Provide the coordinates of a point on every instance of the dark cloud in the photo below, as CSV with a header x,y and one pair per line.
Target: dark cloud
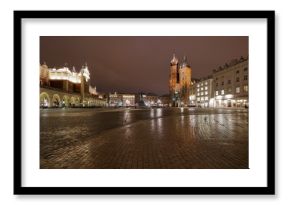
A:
x,y
139,63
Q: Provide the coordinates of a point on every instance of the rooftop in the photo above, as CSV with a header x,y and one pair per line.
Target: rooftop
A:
x,y
230,64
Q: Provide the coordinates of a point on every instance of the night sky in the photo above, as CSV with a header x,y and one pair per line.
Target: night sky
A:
x,y
134,64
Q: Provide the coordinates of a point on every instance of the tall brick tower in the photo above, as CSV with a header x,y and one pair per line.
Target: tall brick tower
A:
x,y
174,82
185,80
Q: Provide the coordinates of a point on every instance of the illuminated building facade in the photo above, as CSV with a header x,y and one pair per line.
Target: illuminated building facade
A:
x,y
227,87
204,92
67,88
115,100
179,82
193,92
231,85
128,100
164,101
65,79
121,100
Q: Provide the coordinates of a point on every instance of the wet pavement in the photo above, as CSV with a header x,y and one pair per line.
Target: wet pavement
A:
x,y
159,138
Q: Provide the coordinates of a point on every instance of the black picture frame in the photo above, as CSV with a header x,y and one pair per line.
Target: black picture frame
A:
x,y
268,190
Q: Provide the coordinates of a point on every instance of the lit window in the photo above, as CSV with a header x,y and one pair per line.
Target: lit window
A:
x,y
223,92
206,98
202,99
201,93
245,88
237,89
198,99
205,83
201,84
205,88
201,88
205,92
197,89
197,94
198,85
217,92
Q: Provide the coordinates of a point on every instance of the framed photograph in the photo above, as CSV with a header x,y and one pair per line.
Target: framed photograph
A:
x,y
144,102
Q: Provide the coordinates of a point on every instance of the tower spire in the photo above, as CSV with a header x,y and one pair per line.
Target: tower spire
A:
x,y
174,60
184,58
184,62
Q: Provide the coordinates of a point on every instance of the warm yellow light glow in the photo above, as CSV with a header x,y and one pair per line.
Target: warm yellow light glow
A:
x,y
219,97
64,74
128,96
229,96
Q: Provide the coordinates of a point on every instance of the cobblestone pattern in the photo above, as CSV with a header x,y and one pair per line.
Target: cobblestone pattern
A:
x,y
204,140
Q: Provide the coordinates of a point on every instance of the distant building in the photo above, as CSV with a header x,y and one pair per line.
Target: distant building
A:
x,y
121,100
115,100
164,100
128,100
150,99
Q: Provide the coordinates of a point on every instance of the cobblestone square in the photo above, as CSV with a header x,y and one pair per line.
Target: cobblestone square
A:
x,y
159,138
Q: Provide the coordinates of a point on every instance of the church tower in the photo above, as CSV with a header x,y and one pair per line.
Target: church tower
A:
x,y
174,81
185,80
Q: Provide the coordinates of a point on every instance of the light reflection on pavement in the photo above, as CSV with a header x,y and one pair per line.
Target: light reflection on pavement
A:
x,y
144,138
